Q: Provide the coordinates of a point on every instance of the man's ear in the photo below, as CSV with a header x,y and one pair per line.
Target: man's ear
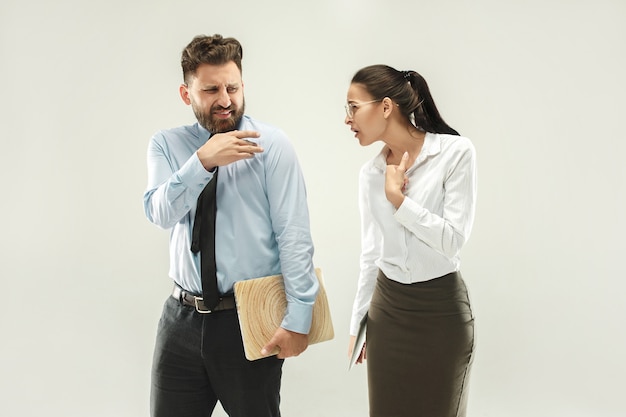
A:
x,y
184,93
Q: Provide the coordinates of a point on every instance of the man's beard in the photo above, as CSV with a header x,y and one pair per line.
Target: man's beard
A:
x,y
215,125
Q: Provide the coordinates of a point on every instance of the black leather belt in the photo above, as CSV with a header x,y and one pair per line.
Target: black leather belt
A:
x,y
227,302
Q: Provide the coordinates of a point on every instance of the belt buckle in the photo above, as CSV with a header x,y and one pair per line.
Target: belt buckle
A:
x,y
196,299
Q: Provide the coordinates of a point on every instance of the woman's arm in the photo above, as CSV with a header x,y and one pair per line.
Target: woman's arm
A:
x,y
446,233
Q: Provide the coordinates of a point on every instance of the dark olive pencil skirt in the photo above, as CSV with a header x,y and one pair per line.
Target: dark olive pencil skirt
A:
x,y
420,340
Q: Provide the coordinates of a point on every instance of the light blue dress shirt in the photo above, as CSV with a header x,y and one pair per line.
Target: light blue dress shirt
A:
x,y
262,224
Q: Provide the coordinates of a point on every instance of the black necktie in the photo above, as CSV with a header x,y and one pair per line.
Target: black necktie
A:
x,y
203,241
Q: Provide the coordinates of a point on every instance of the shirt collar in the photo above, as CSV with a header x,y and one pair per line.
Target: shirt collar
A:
x,y
432,146
202,132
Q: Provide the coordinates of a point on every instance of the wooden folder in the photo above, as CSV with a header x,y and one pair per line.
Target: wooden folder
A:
x,y
261,306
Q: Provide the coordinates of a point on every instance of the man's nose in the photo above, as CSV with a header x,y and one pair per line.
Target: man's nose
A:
x,y
224,99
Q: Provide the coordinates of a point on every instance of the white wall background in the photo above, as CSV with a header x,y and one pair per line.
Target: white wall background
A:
x,y
538,85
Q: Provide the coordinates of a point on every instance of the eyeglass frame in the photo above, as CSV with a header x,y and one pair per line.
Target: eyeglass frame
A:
x,y
350,107
350,113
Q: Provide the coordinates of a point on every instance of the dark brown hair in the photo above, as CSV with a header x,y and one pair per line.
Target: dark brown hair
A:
x,y
409,91
213,50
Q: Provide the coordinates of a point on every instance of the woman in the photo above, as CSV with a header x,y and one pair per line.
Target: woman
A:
x,y
417,200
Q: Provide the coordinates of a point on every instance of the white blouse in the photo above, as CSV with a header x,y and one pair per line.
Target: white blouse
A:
x,y
422,239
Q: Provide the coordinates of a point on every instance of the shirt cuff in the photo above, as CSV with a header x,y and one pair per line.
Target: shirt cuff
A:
x,y
193,171
298,317
408,212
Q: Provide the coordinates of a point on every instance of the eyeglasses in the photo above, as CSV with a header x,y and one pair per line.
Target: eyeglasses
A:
x,y
351,107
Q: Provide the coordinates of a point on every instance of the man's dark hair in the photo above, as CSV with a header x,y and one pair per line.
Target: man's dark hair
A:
x,y
212,50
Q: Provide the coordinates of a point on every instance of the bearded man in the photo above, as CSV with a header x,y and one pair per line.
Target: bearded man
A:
x,y
249,221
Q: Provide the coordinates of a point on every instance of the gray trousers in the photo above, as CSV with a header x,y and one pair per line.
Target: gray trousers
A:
x,y
199,360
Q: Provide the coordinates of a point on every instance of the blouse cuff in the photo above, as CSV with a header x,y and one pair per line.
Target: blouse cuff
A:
x,y
409,211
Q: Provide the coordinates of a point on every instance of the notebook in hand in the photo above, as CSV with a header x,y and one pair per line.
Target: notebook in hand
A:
x,y
359,342
261,305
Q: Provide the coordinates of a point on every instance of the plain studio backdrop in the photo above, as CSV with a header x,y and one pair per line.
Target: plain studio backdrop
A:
x,y
538,85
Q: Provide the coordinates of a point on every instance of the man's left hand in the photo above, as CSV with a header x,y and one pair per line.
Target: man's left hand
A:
x,y
289,343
